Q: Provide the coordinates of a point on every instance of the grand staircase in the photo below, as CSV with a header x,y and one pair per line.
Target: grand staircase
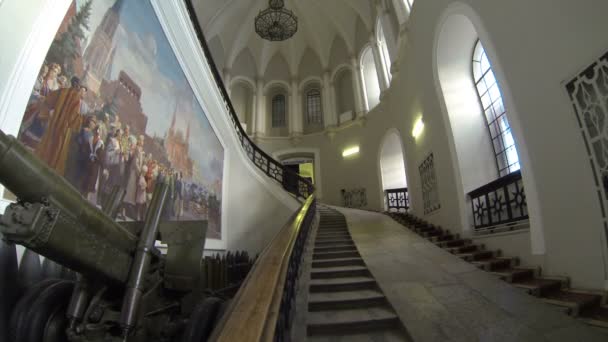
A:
x,y
589,306
344,301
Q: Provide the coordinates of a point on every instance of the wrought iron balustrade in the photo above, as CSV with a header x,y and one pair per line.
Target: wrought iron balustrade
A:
x,y
500,202
397,199
291,181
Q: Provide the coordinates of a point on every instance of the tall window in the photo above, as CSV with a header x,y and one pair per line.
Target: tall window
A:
x,y
278,111
386,58
503,143
409,4
314,115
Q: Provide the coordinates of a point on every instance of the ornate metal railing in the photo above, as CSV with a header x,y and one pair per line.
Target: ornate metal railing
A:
x,y
291,181
397,199
500,202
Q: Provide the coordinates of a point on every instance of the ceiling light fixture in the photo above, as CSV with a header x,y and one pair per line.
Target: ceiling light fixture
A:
x,y
276,23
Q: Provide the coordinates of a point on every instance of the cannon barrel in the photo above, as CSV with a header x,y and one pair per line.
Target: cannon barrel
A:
x,y
55,220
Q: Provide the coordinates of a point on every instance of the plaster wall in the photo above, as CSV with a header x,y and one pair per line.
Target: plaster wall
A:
x,y
263,206
532,60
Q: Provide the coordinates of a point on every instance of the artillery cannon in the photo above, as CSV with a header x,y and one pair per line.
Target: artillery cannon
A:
x,y
126,289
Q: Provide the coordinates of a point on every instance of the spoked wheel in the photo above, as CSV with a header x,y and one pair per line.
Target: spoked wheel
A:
x,y
202,320
40,316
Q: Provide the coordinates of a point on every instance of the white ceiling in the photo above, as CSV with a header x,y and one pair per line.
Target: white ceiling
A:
x,y
322,24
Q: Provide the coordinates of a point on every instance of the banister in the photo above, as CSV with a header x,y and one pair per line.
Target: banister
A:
x,y
255,310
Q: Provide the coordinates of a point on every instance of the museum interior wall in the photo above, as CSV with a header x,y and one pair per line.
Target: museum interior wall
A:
x,y
532,62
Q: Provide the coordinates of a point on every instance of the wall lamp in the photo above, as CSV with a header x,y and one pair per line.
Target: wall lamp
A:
x,y
350,151
418,128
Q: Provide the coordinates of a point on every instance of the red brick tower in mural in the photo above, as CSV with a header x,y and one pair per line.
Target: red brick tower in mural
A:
x,y
98,55
178,148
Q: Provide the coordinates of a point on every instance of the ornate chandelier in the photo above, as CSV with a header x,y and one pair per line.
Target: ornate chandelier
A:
x,y
276,23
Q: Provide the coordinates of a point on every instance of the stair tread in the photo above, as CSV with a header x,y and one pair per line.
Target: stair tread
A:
x,y
330,317
331,261
338,269
575,297
341,281
388,335
344,296
535,282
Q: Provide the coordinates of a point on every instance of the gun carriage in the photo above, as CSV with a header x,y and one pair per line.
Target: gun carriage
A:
x,y
126,289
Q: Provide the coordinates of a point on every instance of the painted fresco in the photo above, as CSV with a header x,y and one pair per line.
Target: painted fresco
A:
x,y
112,108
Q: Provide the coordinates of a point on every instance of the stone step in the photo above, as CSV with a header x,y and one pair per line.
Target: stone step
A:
x,y
340,322
478,255
335,255
338,262
344,234
339,272
389,335
465,249
342,284
495,264
350,248
575,302
515,274
598,317
345,300
323,241
539,286
454,243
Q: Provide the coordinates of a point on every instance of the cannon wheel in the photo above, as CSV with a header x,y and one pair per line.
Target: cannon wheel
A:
x,y
202,320
47,314
19,316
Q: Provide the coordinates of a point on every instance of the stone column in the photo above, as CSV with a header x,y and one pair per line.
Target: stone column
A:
x,y
329,108
380,67
358,87
296,120
260,110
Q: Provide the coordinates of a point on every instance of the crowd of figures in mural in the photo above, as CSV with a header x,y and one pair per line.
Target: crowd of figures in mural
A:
x,y
112,107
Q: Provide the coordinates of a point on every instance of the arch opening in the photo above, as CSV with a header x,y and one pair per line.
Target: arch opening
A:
x,y
392,163
371,84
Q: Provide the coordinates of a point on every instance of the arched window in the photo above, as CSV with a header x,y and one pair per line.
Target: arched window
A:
x,y
314,115
371,85
278,111
493,106
384,54
409,4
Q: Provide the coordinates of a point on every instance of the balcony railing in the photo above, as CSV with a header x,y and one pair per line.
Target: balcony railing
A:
x,y
397,199
501,202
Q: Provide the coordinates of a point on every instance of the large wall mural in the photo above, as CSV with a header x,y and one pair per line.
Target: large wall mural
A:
x,y
112,107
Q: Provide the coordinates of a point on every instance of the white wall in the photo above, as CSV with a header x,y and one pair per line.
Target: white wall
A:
x,y
535,47
262,205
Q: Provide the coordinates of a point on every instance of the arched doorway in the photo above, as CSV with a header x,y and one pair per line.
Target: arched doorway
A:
x,y
392,164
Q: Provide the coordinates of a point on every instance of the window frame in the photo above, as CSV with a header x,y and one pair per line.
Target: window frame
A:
x,y
313,99
499,130
278,113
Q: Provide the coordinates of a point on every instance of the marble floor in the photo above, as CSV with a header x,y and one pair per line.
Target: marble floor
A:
x,y
439,297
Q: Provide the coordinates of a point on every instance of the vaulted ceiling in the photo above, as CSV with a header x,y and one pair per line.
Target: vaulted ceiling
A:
x,y
329,31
